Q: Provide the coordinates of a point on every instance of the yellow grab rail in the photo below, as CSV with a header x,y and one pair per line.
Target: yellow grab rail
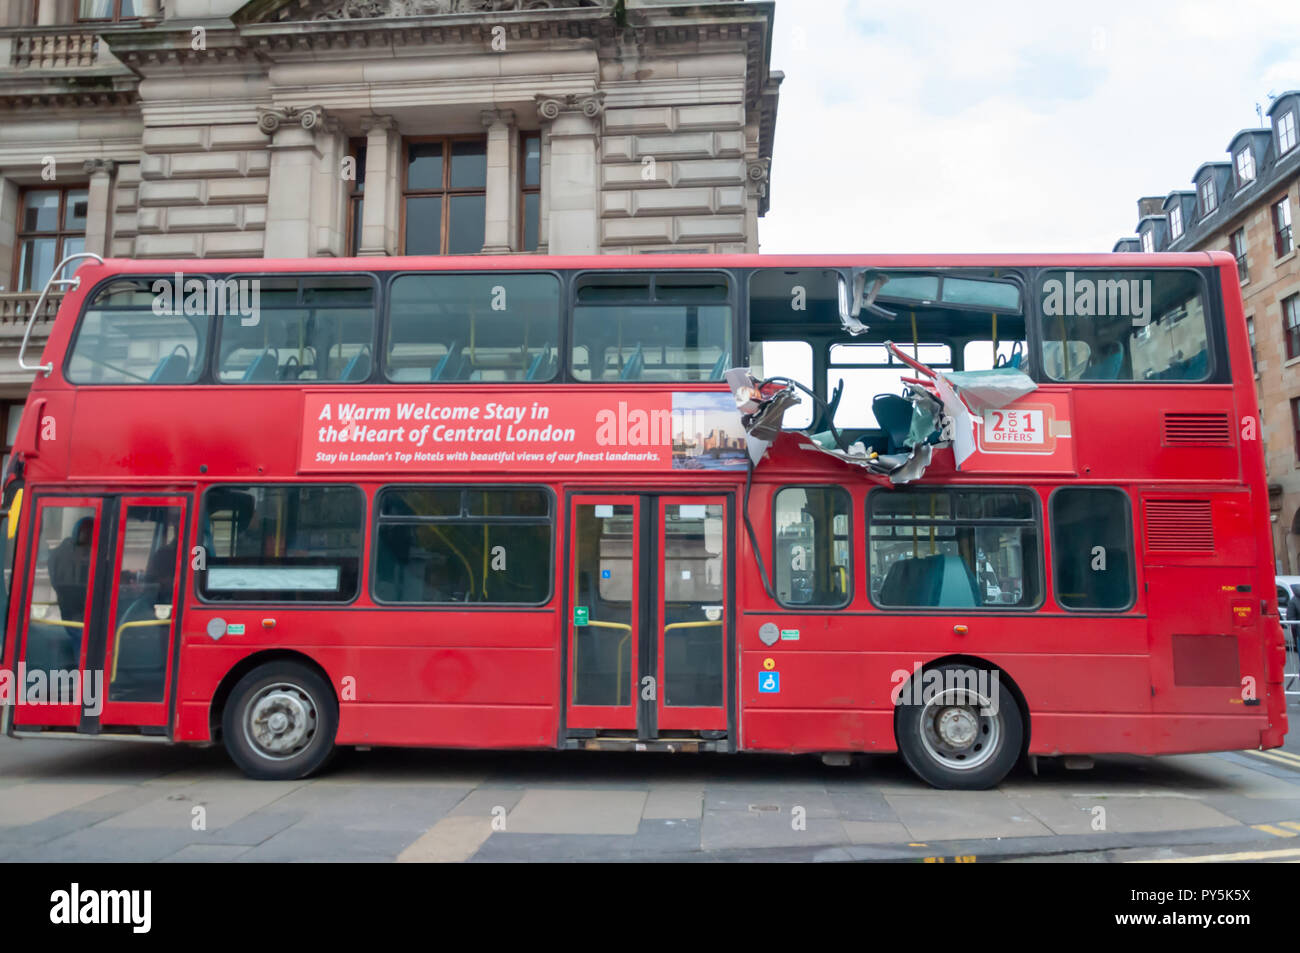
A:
x,y
117,639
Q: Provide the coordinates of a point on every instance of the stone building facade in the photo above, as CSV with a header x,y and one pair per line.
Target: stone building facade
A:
x,y
1247,205
298,128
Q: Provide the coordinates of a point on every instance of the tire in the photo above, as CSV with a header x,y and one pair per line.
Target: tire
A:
x,y
951,737
280,722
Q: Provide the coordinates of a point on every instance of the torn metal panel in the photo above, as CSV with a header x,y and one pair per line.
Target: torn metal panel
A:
x,y
762,405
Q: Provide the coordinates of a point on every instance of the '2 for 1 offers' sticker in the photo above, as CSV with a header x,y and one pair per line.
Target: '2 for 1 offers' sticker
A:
x,y
1017,429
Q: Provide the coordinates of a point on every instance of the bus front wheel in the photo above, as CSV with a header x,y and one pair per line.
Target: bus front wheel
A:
x,y
958,728
280,721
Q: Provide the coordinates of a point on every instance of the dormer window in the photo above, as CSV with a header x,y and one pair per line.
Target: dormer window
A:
x,y
1286,137
1148,241
1175,223
1245,167
1209,197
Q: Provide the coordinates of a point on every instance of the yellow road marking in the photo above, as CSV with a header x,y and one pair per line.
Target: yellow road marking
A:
x,y
1275,831
451,840
1282,757
1217,858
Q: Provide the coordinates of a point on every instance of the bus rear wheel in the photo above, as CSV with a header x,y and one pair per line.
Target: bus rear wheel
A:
x,y
280,721
959,728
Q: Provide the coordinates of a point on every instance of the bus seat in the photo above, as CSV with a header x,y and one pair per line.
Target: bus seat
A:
x,y
540,361
934,581
446,362
358,368
172,369
719,367
1106,368
894,414
957,586
632,369
265,367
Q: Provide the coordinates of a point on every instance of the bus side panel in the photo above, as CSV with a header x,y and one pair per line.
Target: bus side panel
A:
x,y
411,687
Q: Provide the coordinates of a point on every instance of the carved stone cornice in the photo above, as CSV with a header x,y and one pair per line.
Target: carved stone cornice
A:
x,y
757,173
490,117
375,9
311,118
99,166
590,105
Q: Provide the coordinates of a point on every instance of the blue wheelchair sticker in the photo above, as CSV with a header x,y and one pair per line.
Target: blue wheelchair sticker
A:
x,y
604,574
769,682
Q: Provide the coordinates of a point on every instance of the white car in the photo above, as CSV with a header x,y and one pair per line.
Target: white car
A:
x,y
1286,585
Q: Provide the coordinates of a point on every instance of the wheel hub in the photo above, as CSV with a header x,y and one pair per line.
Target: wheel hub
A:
x,y
281,721
957,727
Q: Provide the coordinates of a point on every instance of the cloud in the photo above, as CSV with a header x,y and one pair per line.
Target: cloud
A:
x,y
1001,126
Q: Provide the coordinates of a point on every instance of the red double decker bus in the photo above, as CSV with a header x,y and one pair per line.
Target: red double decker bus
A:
x,y
967,508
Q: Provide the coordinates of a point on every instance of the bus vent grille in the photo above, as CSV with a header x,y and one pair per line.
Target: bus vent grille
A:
x,y
1200,430
1179,526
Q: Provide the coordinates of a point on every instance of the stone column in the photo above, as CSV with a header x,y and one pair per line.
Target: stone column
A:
x,y
98,204
378,224
496,227
149,9
543,202
329,206
47,13
571,188
294,158
756,176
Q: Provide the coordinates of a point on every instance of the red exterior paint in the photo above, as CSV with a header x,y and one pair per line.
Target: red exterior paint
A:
x,y
482,677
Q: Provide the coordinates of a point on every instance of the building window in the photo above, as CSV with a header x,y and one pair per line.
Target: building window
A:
x,y
356,194
1295,426
1175,223
111,10
11,412
1238,250
444,196
1286,137
51,227
1245,167
1250,334
1092,548
1148,241
438,545
281,543
530,192
1282,241
954,549
1209,197
812,546
1291,325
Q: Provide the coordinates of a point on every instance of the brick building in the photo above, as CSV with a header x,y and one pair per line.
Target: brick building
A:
x,y
292,128
1247,205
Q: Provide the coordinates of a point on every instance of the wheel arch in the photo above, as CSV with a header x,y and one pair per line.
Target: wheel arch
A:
x,y
246,665
1004,678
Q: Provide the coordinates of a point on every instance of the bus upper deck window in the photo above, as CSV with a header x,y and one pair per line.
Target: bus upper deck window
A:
x,y
1140,325
318,328
488,328
132,333
642,327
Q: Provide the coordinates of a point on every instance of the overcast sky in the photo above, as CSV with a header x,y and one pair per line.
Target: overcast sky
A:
x,y
987,126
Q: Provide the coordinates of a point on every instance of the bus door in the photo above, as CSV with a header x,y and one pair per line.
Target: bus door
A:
x,y
649,625
100,611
